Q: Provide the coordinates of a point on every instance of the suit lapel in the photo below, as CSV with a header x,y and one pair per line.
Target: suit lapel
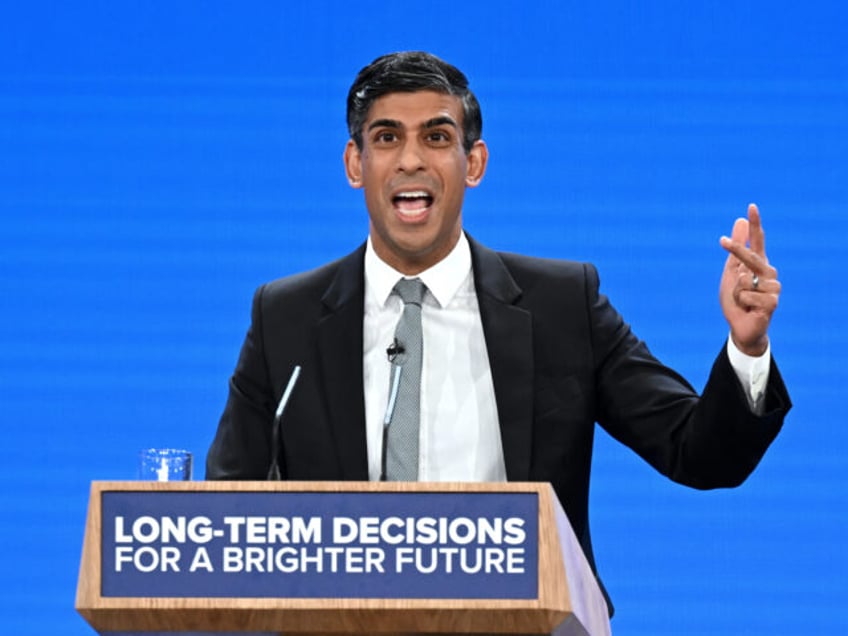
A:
x,y
340,351
509,341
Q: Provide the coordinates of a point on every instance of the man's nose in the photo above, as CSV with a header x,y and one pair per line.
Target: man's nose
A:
x,y
411,157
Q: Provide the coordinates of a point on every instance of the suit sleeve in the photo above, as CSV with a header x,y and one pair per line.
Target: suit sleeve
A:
x,y
241,448
708,441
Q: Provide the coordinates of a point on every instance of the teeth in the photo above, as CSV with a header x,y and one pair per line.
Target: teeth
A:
x,y
412,195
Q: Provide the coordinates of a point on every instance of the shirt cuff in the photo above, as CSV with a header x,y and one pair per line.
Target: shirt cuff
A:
x,y
753,373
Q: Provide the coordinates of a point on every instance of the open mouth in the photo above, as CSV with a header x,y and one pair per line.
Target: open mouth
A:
x,y
412,202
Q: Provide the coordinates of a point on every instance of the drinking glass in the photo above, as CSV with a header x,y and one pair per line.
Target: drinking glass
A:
x,y
164,464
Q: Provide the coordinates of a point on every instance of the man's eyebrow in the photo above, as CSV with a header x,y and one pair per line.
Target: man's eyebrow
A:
x,y
384,123
444,120
440,121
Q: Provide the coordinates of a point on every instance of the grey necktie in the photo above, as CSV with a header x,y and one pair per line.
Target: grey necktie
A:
x,y
403,415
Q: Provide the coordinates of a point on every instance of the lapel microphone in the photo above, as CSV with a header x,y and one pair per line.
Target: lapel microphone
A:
x,y
395,349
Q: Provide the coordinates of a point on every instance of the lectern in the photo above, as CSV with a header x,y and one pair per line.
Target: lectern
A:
x,y
333,558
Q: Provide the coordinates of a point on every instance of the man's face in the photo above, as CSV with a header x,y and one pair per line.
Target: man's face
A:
x,y
414,170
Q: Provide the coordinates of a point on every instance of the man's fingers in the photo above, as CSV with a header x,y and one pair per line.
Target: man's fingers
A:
x,y
746,282
756,235
738,236
751,300
763,295
747,236
751,260
740,231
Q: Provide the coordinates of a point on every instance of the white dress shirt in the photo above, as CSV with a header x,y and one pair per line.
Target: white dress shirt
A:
x,y
753,374
460,437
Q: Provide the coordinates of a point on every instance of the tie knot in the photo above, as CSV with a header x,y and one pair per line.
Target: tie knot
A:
x,y
411,290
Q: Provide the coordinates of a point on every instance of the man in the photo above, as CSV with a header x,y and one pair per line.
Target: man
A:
x,y
521,356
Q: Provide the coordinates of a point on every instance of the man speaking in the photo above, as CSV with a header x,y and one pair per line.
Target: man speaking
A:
x,y
424,355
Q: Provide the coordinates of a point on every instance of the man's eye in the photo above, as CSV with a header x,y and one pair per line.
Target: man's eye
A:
x,y
385,137
438,137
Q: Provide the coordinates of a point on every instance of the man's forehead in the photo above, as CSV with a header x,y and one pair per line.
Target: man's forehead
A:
x,y
415,108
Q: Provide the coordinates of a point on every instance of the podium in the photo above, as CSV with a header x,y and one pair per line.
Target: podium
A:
x,y
333,558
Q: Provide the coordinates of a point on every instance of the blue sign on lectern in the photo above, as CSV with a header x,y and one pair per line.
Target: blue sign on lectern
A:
x,y
320,545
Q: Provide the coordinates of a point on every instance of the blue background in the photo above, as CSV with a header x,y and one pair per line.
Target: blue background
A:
x,y
159,160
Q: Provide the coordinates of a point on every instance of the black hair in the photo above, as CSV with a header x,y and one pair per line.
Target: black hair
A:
x,y
407,72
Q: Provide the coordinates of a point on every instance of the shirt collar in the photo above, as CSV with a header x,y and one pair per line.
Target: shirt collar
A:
x,y
443,279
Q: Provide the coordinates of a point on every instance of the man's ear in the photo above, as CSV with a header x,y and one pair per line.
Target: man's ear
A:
x,y
476,162
353,164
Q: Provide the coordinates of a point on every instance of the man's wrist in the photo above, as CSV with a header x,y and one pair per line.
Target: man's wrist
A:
x,y
754,350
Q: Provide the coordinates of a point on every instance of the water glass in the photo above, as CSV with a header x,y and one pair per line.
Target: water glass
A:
x,y
164,464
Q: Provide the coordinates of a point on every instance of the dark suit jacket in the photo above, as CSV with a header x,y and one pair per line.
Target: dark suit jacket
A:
x,y
562,359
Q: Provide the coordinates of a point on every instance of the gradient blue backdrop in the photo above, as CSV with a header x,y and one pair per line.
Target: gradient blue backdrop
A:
x,y
159,160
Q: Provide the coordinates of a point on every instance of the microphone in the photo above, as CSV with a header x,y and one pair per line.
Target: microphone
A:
x,y
387,418
276,427
395,349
